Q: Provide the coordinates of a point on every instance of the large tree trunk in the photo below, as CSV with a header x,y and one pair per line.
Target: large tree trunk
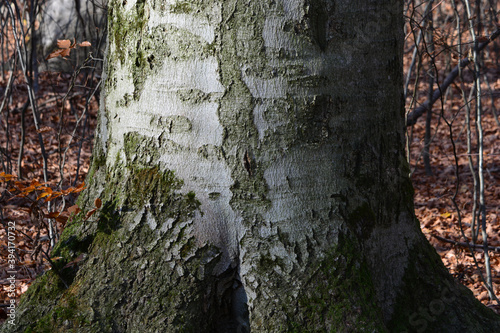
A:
x,y
250,159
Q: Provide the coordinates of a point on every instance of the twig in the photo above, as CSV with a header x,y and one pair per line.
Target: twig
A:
x,y
466,245
412,117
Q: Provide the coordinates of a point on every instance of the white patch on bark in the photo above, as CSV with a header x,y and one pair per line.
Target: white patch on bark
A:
x,y
160,99
129,5
151,221
137,219
293,9
300,183
180,105
275,36
193,74
167,224
270,88
217,223
197,25
207,176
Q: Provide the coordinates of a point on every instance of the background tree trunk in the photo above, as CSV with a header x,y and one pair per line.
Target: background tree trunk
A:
x,y
250,159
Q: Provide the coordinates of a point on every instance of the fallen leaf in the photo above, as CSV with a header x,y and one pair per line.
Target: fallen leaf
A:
x,y
44,129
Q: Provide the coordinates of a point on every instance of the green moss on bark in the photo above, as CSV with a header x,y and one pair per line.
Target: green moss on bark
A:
x,y
67,316
135,193
340,296
126,30
142,49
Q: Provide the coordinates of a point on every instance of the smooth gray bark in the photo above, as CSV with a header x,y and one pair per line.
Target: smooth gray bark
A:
x,y
251,163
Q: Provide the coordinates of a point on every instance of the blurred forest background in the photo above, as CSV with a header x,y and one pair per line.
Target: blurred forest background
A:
x,y
51,60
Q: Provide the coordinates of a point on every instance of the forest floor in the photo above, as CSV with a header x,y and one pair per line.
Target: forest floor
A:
x,y
434,207
444,204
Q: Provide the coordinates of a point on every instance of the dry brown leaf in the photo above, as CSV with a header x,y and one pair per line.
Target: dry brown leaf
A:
x,y
85,44
58,53
90,213
64,44
44,129
74,209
